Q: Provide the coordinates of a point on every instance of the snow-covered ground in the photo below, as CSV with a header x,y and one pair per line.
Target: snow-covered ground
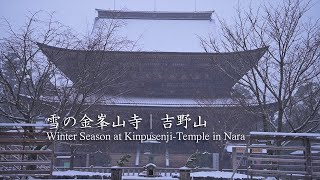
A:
x,y
214,174
148,178
79,173
221,174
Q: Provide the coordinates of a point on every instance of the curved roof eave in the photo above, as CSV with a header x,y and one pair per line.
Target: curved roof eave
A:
x,y
209,54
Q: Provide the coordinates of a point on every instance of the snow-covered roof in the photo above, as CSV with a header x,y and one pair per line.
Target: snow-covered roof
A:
x,y
63,157
151,164
229,147
299,152
156,74
315,149
316,135
158,102
169,102
23,125
151,142
175,33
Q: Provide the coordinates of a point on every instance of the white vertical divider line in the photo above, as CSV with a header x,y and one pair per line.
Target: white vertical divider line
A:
x,y
151,122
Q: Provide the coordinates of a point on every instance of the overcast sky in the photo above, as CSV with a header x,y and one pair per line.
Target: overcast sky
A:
x,y
80,14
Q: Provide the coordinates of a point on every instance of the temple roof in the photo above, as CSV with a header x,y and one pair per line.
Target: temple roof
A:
x,y
159,30
157,74
159,15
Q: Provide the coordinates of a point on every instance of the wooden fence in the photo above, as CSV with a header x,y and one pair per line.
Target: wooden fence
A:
x,y
129,171
287,155
25,150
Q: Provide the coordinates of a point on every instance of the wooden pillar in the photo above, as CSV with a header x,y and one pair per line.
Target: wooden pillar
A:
x,y
116,173
234,160
87,160
307,155
184,173
137,162
72,151
249,162
52,158
167,161
215,161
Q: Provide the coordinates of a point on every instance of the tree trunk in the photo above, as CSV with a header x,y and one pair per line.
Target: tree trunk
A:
x,y
265,123
72,150
280,118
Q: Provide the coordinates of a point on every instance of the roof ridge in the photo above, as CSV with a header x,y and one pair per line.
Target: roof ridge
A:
x,y
155,15
195,12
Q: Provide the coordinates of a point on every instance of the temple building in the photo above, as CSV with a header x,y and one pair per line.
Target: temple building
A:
x,y
168,76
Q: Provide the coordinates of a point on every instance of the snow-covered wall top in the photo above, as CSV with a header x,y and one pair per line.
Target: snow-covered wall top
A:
x,y
161,31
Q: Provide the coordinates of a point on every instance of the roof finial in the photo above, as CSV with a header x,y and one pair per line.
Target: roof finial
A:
x,y
195,5
114,4
154,5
